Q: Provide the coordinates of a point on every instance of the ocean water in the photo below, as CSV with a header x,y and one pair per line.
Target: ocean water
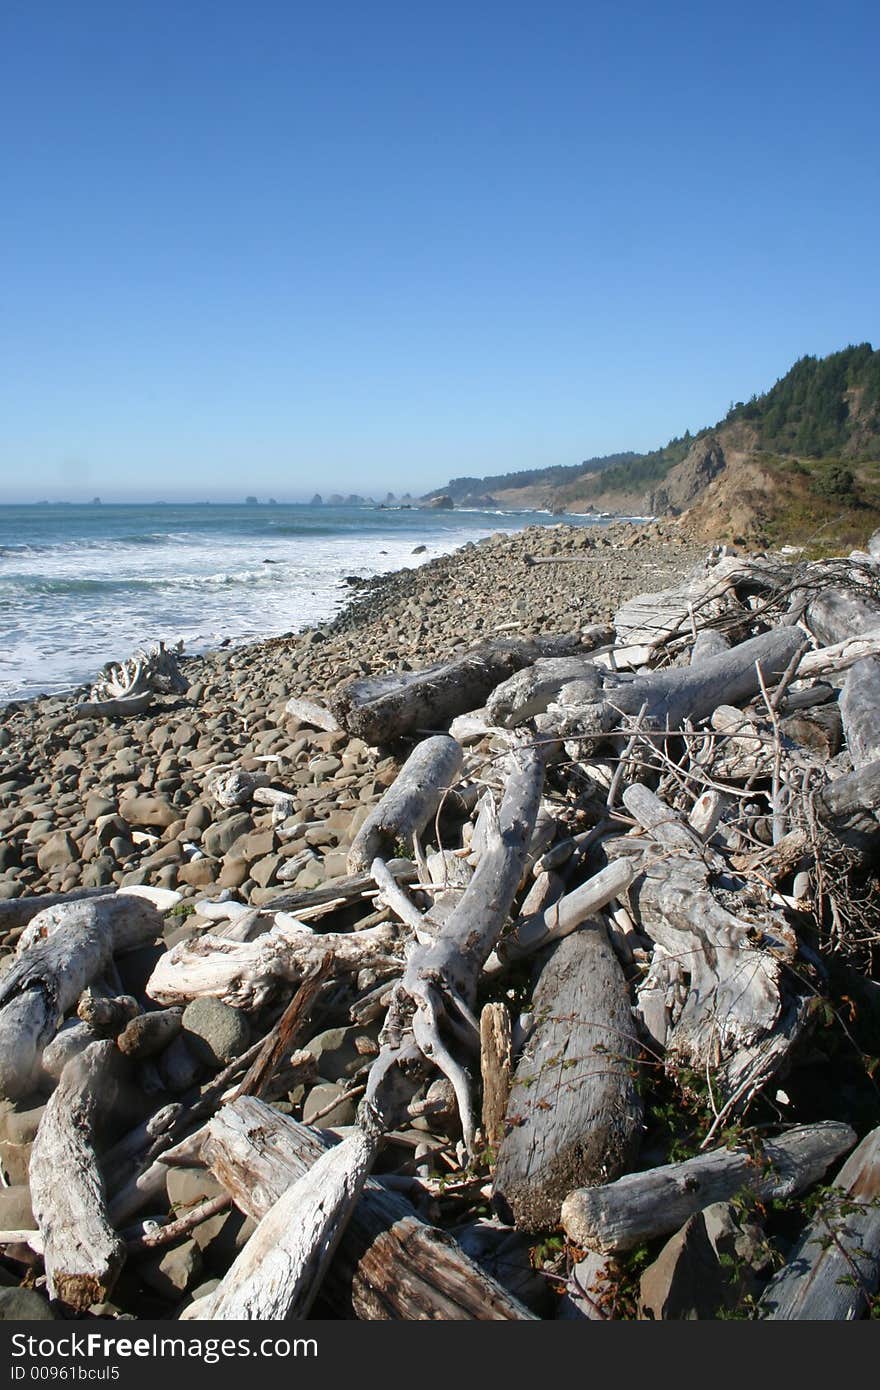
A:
x,y
81,585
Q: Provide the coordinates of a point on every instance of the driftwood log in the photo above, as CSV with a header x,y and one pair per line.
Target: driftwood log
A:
x,y
640,1206
380,709
389,1263
835,1267
73,943
245,973
83,1253
574,1114
410,802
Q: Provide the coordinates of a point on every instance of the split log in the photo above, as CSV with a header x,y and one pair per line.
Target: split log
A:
x,y
640,1206
73,944
739,1019
410,803
380,709
389,1263
834,1269
496,1069
574,1113
83,1253
839,657
245,973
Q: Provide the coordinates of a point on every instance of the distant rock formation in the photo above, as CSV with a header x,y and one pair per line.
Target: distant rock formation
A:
x,y
317,500
444,503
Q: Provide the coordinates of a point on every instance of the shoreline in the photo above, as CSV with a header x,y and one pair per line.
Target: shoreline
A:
x,y
60,780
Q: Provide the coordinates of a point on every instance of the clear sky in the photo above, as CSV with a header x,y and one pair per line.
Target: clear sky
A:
x,y
277,247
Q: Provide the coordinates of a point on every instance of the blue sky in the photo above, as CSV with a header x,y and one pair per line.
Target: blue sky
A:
x,y
281,247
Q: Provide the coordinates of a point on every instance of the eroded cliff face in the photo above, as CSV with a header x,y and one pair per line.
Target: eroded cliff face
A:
x,y
688,479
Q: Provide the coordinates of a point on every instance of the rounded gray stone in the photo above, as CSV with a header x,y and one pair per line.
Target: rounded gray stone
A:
x,y
216,1032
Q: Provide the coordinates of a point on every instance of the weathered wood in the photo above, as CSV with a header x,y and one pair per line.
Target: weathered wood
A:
x,y
530,690
739,1018
108,1016
836,614
347,888
245,973
496,1069
564,916
574,1113
389,1263
380,709
848,805
840,656
860,711
63,949
17,912
83,1253
835,1267
410,803
640,1206
440,980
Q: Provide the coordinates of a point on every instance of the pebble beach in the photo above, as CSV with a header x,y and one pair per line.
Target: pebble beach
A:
x,y
117,802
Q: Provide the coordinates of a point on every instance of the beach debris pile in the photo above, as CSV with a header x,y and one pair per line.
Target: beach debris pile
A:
x,y
581,1029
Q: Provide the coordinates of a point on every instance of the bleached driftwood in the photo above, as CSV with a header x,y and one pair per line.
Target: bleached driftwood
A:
x,y
739,1020
410,802
245,973
64,948
389,1263
530,690
840,656
346,889
128,687
574,1113
647,621
531,933
848,805
83,1253
834,1269
380,709
836,614
277,1274
640,1206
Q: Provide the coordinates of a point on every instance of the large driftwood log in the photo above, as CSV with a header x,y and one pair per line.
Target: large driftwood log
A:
x,y
380,709
389,1263
410,802
835,1267
848,806
738,1019
63,949
647,621
640,1206
83,1253
245,973
574,1113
